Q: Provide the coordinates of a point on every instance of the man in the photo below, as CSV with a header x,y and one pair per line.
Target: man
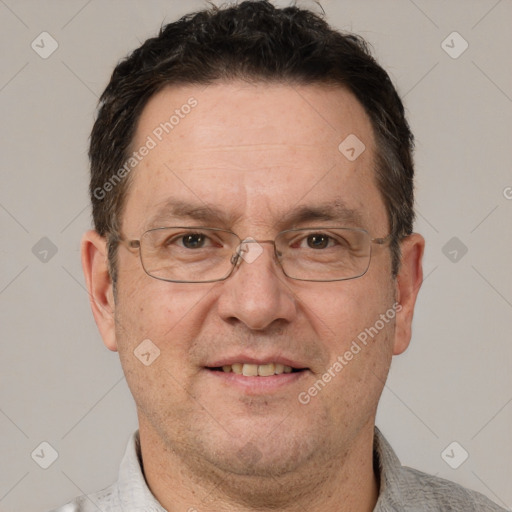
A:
x,y
253,263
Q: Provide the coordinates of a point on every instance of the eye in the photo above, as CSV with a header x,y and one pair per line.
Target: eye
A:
x,y
318,241
192,240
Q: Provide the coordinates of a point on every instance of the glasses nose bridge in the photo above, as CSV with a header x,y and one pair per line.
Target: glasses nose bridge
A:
x,y
236,258
252,240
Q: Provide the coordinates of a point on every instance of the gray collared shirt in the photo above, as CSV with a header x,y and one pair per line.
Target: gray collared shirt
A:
x,y
401,488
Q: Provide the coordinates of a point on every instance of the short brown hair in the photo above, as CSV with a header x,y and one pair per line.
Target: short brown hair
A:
x,y
252,41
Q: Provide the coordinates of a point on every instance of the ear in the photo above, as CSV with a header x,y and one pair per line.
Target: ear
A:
x,y
99,285
408,283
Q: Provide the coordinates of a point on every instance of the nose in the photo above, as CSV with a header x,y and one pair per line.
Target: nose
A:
x,y
257,293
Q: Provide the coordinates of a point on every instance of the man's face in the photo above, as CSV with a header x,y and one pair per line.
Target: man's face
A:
x,y
255,152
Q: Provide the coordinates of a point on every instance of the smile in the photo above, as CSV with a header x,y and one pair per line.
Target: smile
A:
x,y
256,370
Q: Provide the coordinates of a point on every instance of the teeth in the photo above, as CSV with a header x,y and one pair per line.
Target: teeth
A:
x,y
250,370
237,368
253,370
266,369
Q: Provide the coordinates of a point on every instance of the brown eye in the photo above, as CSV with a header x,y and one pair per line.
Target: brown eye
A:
x,y
193,240
318,241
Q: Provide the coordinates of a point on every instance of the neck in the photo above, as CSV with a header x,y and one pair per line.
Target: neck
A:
x,y
181,481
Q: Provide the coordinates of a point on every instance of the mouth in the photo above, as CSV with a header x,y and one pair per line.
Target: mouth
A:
x,y
256,370
257,375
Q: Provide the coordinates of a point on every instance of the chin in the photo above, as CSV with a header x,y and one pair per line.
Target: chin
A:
x,y
259,449
252,460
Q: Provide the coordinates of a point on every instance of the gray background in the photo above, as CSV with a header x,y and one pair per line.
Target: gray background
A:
x,y
59,384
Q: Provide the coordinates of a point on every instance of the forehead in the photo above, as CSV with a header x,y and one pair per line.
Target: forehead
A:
x,y
254,152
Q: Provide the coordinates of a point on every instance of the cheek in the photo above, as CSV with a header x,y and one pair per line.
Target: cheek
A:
x,y
152,306
170,315
156,323
342,310
360,351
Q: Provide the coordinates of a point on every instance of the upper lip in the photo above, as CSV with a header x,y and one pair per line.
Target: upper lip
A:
x,y
244,358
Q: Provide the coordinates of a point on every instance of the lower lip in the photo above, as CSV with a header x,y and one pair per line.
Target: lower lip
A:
x,y
257,385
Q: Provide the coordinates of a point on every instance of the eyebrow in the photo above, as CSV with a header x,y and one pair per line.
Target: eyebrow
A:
x,y
176,210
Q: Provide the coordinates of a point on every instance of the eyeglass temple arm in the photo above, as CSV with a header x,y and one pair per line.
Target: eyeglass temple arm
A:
x,y
382,241
130,244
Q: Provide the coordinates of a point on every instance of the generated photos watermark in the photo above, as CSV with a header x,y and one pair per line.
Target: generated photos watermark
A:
x,y
151,142
356,347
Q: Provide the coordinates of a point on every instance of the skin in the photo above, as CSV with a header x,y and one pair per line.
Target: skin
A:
x,y
256,151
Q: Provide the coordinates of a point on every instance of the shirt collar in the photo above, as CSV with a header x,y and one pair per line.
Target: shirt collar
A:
x,y
388,469
133,494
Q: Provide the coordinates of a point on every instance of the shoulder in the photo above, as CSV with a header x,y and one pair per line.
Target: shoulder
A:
x,y
129,493
407,489
424,492
101,500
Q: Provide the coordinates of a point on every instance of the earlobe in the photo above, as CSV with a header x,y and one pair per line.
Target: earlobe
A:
x,y
408,283
99,285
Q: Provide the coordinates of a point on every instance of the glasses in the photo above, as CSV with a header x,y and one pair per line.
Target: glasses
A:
x,y
196,254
